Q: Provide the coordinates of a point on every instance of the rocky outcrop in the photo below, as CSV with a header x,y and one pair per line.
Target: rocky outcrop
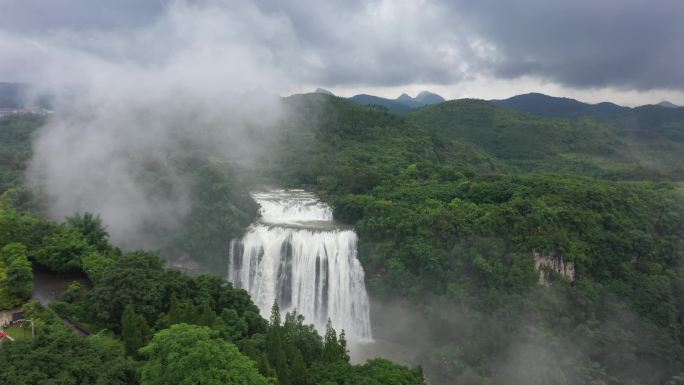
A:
x,y
545,264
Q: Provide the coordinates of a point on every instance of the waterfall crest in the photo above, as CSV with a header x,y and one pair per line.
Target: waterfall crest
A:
x,y
297,255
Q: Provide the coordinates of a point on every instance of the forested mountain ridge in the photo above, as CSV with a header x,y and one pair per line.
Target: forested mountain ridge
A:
x,y
639,144
403,104
390,104
544,105
461,209
456,201
148,324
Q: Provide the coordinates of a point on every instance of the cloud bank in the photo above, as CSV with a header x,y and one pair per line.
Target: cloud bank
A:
x,y
189,81
619,44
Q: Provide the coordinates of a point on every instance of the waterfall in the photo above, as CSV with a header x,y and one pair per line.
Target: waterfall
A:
x,y
297,255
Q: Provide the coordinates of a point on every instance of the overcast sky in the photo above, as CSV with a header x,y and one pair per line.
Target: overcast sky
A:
x,y
625,51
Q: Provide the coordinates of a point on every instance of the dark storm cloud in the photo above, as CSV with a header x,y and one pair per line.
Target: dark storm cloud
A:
x,y
40,16
622,43
378,42
630,44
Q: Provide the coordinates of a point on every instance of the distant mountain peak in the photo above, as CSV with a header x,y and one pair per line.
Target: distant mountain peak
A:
x,y
428,97
404,98
403,104
545,105
667,104
392,105
424,98
323,91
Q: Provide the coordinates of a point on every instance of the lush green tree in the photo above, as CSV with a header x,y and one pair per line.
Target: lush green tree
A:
x,y
334,349
16,275
275,346
255,348
9,221
381,371
344,352
375,372
189,354
302,338
233,327
134,330
179,312
135,279
16,133
63,250
207,316
91,227
95,264
60,356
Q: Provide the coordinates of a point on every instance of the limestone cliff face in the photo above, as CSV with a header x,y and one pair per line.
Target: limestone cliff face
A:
x,y
544,264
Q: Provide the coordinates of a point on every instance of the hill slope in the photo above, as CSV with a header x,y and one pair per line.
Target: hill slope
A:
x,y
456,210
544,105
641,143
453,213
404,103
391,105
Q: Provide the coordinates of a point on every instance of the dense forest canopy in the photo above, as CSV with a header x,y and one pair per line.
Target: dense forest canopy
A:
x,y
523,250
151,325
463,205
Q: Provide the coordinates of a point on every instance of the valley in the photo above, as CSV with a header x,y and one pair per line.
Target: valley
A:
x,y
451,203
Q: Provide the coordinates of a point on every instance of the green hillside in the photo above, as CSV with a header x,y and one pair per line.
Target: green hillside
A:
x,y
631,147
453,202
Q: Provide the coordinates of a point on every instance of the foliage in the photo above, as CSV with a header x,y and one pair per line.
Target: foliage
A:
x,y
333,349
375,372
134,279
205,331
134,330
58,355
221,209
63,250
452,203
92,229
188,354
15,148
455,200
16,275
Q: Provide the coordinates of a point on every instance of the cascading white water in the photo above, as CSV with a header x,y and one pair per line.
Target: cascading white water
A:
x,y
296,255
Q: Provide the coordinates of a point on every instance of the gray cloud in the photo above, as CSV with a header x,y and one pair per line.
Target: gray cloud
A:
x,y
621,44
632,44
46,16
183,83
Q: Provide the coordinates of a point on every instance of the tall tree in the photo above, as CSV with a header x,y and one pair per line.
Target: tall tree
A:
x,y
333,349
207,316
189,354
63,250
134,330
91,227
344,351
134,278
275,346
19,272
60,356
